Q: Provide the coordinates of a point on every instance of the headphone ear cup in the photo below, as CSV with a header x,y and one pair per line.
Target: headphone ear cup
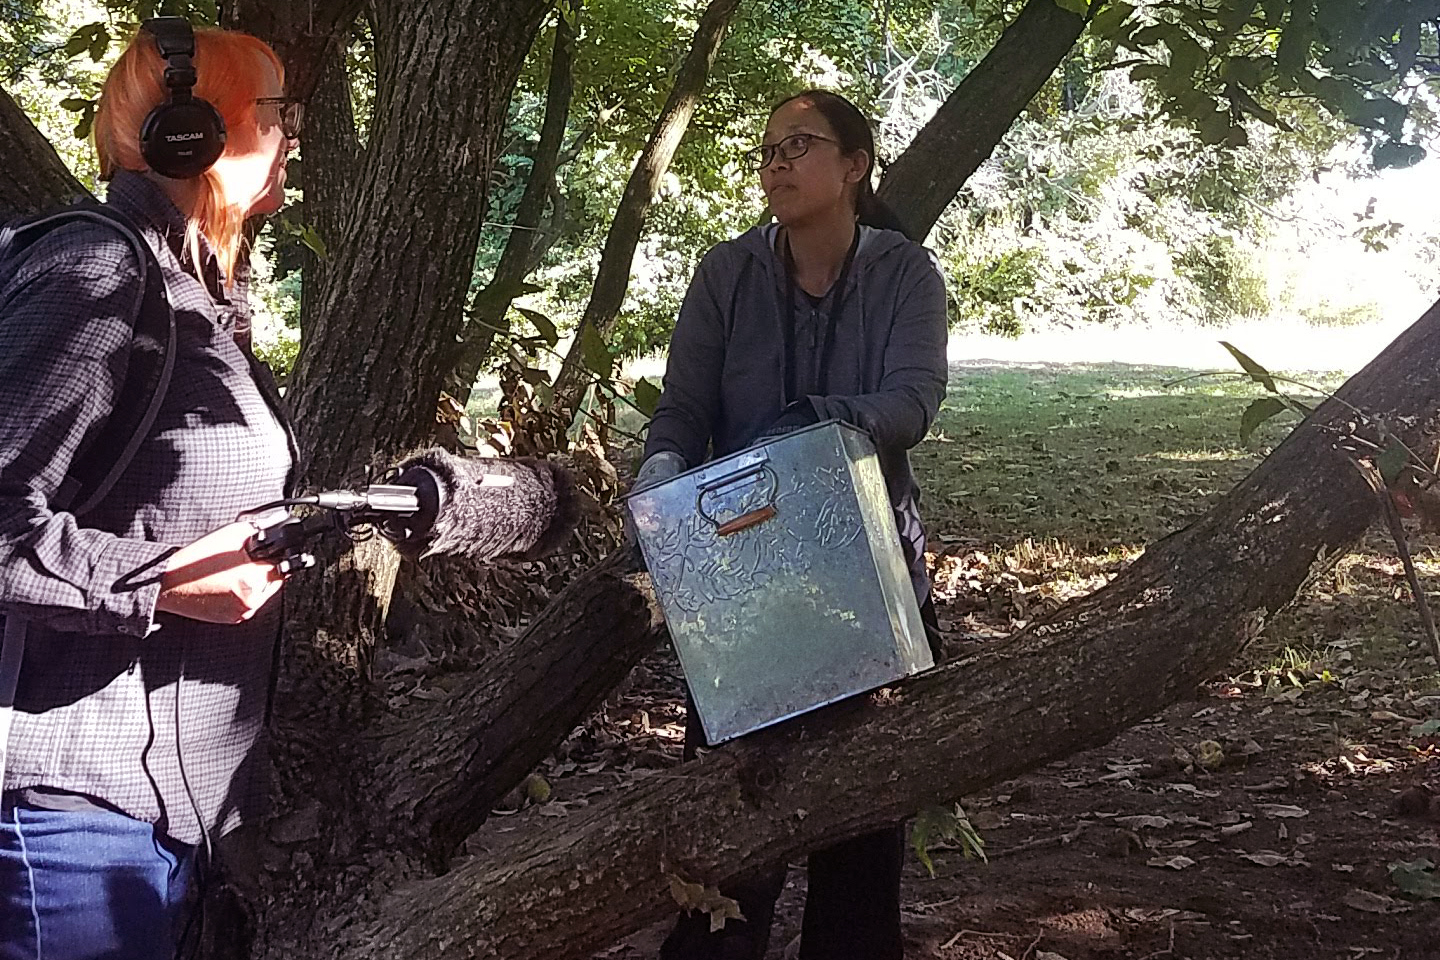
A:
x,y
181,140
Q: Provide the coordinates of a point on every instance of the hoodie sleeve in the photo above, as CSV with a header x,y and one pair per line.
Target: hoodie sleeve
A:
x,y
689,404
915,369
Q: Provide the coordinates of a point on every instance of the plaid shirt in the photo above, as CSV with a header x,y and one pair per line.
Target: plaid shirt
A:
x,y
118,702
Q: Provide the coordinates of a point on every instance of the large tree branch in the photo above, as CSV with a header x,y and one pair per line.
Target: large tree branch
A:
x,y
1100,665
438,771
923,180
613,279
523,248
32,175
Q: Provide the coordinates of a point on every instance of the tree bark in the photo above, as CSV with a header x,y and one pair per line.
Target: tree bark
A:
x,y
304,35
613,278
523,248
1098,666
923,180
33,177
438,770
330,160
371,367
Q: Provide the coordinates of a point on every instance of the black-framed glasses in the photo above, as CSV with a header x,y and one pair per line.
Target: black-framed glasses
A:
x,y
792,147
291,111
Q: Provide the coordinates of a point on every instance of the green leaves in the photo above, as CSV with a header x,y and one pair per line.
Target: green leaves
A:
x,y
1107,22
1427,729
86,108
1257,413
1417,878
1255,54
1081,7
542,323
93,38
944,825
305,233
647,396
1257,373
594,352
1393,153
1392,461
311,239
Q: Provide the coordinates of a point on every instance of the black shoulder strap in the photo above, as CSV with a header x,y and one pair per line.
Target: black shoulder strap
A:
x,y
148,370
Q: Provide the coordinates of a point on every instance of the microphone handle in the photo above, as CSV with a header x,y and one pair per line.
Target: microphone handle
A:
x,y
286,543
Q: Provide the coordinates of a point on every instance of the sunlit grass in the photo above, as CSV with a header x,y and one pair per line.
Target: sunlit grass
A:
x,y
1198,456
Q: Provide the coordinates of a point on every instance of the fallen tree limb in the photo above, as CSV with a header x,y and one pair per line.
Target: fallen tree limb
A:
x,y
1101,664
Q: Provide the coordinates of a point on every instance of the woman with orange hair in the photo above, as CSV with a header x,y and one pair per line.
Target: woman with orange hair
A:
x,y
148,634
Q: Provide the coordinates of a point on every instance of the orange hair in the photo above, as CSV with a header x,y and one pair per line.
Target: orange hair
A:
x,y
230,73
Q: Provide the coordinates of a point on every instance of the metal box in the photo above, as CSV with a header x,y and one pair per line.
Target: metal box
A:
x,y
780,573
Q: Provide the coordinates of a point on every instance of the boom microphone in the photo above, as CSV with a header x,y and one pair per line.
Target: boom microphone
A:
x,y
436,503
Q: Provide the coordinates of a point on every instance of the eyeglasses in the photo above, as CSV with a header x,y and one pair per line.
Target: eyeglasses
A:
x,y
291,111
792,147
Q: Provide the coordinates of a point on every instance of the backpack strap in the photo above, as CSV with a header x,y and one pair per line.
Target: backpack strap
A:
x,y
96,470
147,376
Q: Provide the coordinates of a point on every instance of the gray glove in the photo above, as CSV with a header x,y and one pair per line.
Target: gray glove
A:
x,y
657,468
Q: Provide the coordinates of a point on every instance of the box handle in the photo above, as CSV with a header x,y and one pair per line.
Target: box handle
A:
x,y
758,472
744,522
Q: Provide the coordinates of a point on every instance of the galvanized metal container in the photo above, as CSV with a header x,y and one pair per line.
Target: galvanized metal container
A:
x,y
781,576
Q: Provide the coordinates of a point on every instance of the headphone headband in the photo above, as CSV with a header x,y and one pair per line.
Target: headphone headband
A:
x,y
176,43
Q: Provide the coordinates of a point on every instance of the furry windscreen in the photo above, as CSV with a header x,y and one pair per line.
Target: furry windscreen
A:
x,y
493,507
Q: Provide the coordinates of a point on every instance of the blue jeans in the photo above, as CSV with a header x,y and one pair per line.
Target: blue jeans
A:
x,y
88,885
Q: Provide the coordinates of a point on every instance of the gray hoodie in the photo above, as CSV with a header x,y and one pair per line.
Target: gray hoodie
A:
x,y
725,380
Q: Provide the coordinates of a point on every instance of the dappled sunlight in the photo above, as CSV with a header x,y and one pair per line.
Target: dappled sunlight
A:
x,y
1198,456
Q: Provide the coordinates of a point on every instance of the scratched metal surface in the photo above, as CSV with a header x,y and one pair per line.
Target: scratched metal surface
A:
x,y
804,608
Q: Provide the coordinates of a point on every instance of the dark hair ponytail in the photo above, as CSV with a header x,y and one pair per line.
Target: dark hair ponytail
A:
x,y
852,129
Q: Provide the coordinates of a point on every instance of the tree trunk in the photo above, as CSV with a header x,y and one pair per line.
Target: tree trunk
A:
x,y
370,368
374,355
305,35
330,161
923,180
523,248
372,361
32,177
613,278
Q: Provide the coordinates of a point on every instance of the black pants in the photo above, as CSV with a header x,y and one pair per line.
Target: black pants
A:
x,y
852,907
852,904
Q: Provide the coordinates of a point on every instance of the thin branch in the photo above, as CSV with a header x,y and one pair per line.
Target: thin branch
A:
x,y
1402,547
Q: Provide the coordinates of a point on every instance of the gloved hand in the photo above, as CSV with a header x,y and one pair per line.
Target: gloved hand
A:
x,y
799,414
657,468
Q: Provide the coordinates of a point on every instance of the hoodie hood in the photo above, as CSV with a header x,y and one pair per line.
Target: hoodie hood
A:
x,y
876,245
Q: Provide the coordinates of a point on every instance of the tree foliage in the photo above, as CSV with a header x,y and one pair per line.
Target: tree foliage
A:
x,y
1091,207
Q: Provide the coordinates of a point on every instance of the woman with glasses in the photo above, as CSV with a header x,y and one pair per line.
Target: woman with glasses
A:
x,y
830,312
148,634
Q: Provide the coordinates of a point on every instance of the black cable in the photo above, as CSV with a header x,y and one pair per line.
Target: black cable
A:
x,y
202,870
309,501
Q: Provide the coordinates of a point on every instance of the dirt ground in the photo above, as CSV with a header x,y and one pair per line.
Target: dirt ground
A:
x,y
1282,812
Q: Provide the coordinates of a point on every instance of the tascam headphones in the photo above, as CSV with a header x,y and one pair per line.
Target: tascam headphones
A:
x,y
183,136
